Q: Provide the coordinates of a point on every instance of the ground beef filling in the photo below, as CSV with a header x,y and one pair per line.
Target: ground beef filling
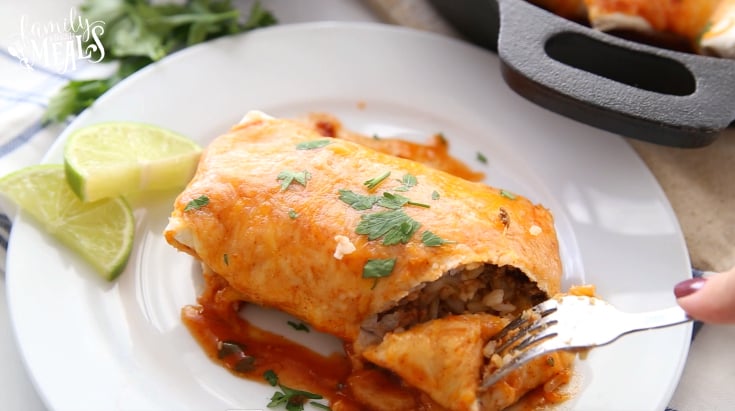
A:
x,y
502,291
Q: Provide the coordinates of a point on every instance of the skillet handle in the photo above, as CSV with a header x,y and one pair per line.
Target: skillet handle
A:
x,y
632,89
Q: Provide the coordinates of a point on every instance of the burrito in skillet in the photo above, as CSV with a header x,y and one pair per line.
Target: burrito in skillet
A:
x,y
666,20
377,250
718,38
570,9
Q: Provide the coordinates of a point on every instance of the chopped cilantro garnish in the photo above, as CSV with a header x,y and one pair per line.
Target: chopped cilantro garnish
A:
x,y
271,377
481,158
287,177
291,399
292,214
197,203
408,181
298,326
378,268
139,32
357,201
392,201
435,195
402,234
310,145
226,259
414,203
373,182
396,201
432,240
507,194
394,226
320,405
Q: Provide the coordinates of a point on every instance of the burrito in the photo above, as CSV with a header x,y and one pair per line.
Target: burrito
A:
x,y
718,38
570,9
378,250
435,154
665,21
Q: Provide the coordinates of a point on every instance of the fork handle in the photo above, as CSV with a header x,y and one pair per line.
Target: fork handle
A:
x,y
658,319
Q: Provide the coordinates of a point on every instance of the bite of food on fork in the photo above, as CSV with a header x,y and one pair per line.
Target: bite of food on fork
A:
x,y
574,322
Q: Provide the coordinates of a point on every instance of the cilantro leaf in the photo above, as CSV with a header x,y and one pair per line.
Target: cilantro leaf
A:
x,y
373,182
435,195
197,203
291,399
402,234
394,226
73,98
357,201
396,201
392,201
292,214
481,158
324,407
310,145
258,17
287,177
432,240
271,377
378,268
408,181
139,32
508,194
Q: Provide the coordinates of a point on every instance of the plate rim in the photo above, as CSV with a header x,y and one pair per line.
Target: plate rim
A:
x,y
296,27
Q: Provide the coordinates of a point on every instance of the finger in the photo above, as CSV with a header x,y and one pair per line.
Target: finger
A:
x,y
711,299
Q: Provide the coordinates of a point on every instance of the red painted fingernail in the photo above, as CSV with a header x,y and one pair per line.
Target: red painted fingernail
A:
x,y
689,286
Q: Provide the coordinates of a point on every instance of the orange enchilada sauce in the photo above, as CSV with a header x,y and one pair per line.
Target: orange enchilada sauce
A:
x,y
248,352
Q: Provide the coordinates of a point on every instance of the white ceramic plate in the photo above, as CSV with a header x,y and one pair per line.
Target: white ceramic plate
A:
x,y
91,345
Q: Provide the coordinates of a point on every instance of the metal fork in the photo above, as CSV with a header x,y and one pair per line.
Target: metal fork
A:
x,y
571,323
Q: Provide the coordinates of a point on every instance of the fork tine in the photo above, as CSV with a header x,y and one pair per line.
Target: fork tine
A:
x,y
533,323
534,339
543,309
530,330
569,323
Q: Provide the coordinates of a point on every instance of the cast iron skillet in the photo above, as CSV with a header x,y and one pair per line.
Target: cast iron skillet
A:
x,y
632,89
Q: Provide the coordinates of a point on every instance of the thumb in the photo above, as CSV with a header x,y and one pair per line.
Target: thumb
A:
x,y
710,299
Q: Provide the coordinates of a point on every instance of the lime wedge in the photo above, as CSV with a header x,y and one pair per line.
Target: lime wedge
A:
x,y
101,232
119,158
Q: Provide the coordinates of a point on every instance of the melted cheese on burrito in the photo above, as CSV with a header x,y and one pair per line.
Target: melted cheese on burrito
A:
x,y
685,19
571,9
377,250
276,244
718,38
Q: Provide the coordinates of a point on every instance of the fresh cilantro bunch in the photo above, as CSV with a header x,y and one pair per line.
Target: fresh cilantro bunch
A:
x,y
138,33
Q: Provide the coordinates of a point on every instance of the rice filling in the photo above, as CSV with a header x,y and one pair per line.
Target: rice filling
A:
x,y
474,288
